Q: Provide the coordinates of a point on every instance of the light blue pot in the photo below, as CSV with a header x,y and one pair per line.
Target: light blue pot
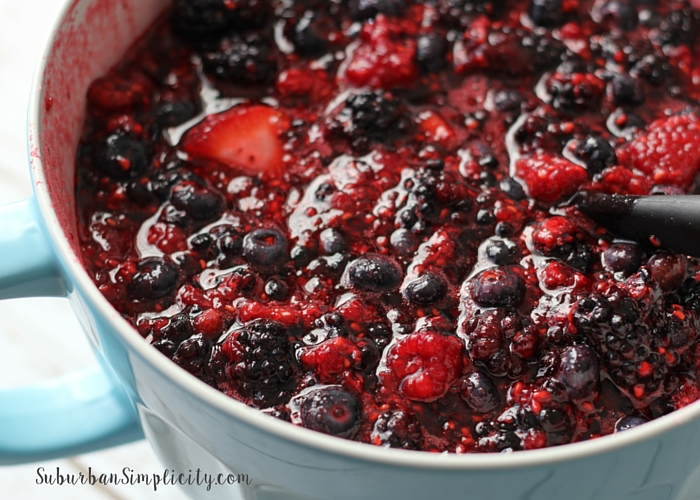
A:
x,y
190,425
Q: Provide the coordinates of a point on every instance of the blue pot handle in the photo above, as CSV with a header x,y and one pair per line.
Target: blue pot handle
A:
x,y
69,415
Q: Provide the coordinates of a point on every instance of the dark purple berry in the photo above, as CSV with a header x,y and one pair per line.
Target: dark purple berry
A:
x,y
332,241
120,156
480,393
242,59
426,289
404,242
397,429
276,289
376,115
507,100
596,154
513,189
498,287
626,89
201,19
332,410
367,9
262,364
373,273
172,114
628,422
307,37
622,12
579,371
499,253
430,51
155,277
265,247
547,13
197,202
623,258
193,353
669,270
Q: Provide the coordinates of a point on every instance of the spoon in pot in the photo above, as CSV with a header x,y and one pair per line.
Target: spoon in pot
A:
x,y
671,222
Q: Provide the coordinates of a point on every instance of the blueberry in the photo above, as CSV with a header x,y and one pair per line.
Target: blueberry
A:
x,y
513,189
628,422
579,371
623,258
120,156
265,247
626,89
155,277
430,51
361,10
193,353
669,270
307,38
172,114
596,153
374,273
332,241
178,329
300,256
623,12
404,242
546,13
507,100
426,289
197,202
276,289
498,287
480,393
499,253
332,410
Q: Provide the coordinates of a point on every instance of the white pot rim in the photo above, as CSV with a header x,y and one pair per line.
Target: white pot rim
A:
x,y
284,430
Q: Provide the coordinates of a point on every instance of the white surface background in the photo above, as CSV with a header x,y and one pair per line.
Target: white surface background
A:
x,y
40,338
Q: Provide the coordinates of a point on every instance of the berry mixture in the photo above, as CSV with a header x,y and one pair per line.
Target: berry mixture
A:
x,y
354,214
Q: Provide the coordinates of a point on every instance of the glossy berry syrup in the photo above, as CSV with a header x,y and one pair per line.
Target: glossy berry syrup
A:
x,y
353,215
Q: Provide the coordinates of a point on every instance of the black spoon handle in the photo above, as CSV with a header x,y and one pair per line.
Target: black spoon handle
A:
x,y
670,222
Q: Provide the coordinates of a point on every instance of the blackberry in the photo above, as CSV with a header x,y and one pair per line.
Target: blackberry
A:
x,y
332,410
614,324
457,13
573,89
261,363
242,59
376,115
397,429
209,18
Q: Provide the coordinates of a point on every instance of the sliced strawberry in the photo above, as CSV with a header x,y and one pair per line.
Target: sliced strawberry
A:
x,y
243,137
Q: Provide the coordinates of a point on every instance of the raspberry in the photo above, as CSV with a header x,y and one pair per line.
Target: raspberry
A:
x,y
261,363
549,178
383,59
339,360
424,365
668,152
